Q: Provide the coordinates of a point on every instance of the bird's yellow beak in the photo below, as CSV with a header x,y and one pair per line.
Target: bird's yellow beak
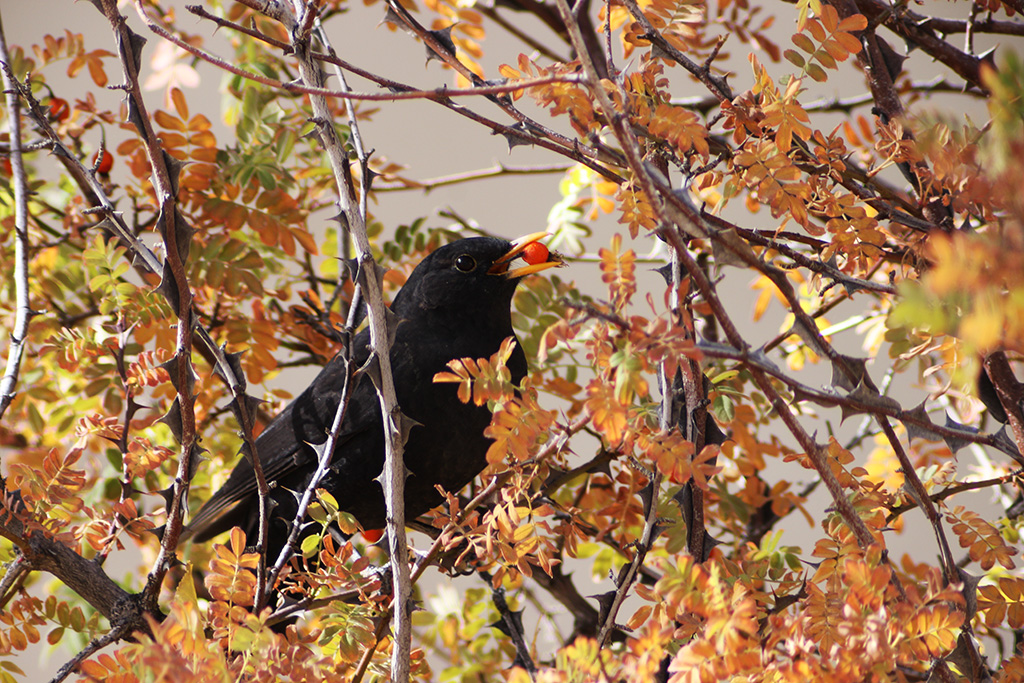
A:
x,y
551,259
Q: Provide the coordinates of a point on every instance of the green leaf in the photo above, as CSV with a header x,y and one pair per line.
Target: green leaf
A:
x,y
795,58
77,619
309,546
317,512
817,73
723,408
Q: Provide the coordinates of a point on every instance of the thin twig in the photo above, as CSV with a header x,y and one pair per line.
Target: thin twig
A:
x,y
352,202
23,310
498,170
480,90
718,87
427,558
324,454
986,25
89,650
951,491
513,626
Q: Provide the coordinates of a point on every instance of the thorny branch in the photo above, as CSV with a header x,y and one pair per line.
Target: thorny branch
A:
x,y
399,94
324,453
526,128
496,171
176,237
352,202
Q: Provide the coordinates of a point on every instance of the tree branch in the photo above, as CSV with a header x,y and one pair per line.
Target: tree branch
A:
x,y
352,201
23,311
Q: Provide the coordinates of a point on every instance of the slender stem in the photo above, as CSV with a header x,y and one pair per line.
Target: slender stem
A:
x,y
23,311
426,559
323,463
89,650
498,170
393,477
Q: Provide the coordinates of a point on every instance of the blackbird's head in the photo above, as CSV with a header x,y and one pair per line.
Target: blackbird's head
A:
x,y
473,273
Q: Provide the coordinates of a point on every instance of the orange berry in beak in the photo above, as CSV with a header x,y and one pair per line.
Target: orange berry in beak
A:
x,y
535,253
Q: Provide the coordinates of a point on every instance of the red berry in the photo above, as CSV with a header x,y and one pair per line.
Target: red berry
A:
x,y
5,163
59,109
373,535
535,253
104,164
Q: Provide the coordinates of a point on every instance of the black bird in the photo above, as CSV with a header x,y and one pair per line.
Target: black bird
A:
x,y
455,304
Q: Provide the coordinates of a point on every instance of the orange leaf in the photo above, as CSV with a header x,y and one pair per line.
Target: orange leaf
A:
x,y
608,414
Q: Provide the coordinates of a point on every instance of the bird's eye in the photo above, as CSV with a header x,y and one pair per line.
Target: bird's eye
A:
x,y
465,263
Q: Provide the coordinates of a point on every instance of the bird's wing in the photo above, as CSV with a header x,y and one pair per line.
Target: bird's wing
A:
x,y
283,445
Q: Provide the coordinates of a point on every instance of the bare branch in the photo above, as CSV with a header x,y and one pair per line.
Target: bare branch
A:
x,y
986,25
84,577
955,489
352,201
914,28
23,311
495,171
480,88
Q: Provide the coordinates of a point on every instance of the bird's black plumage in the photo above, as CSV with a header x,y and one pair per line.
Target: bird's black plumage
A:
x,y
455,304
